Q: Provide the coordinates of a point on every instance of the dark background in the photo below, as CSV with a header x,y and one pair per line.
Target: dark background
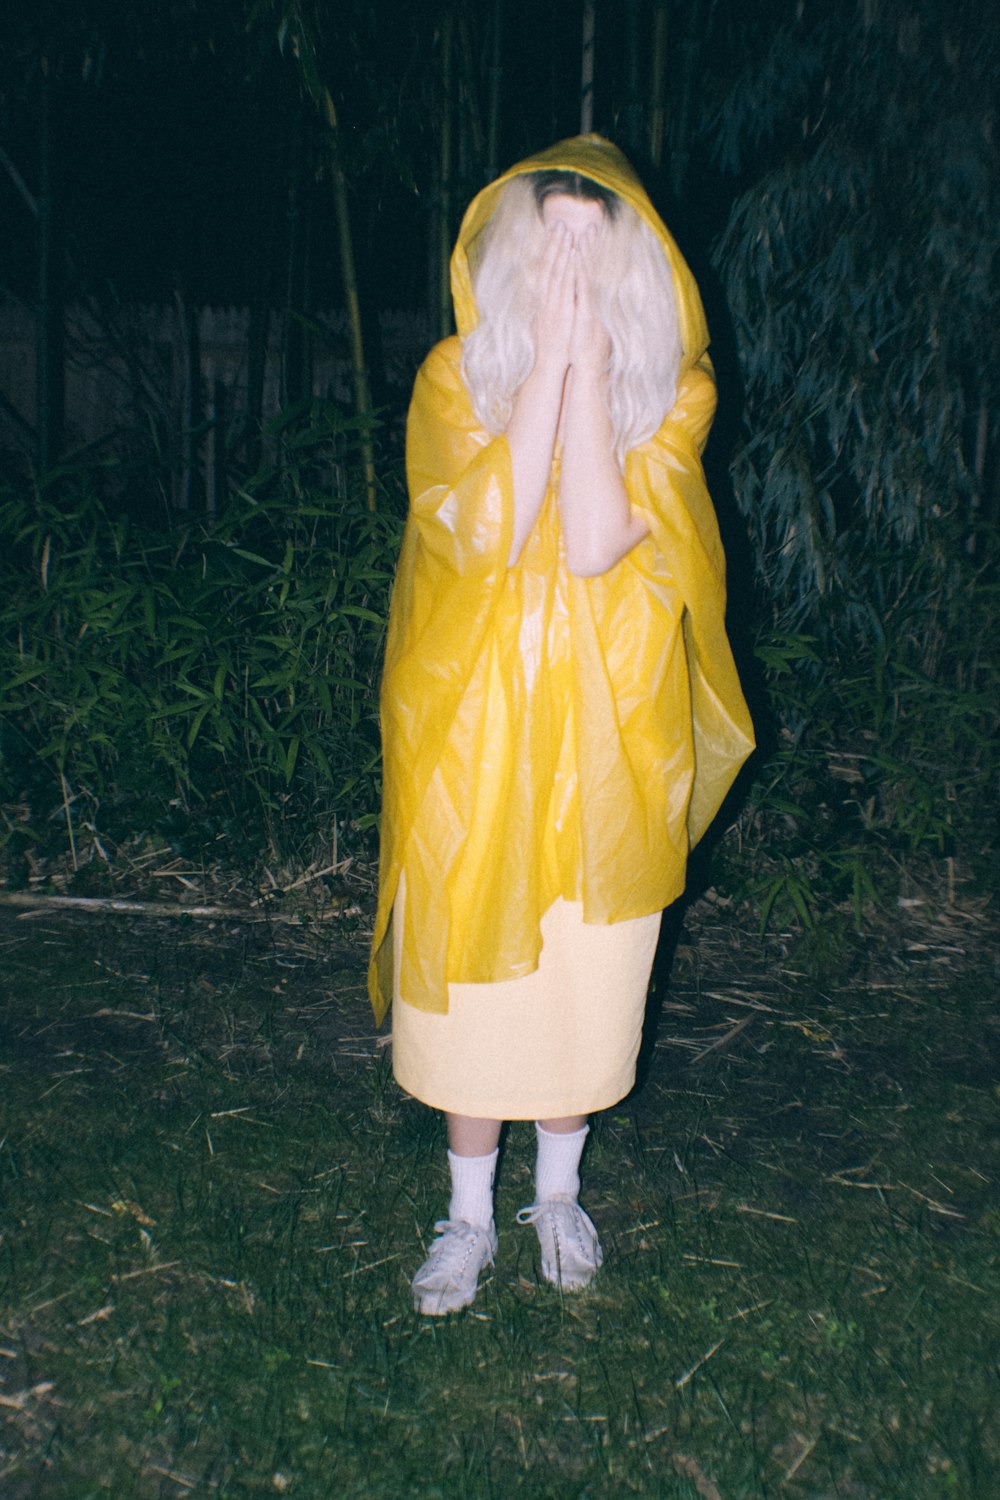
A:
x,y
183,143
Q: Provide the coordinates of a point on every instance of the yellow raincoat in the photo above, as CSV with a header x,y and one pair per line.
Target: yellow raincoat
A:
x,y
544,734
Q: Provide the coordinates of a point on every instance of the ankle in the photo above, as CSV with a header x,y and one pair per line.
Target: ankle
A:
x,y
557,1166
472,1188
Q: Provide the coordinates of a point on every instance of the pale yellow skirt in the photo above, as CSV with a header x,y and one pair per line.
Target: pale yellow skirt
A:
x,y
560,1041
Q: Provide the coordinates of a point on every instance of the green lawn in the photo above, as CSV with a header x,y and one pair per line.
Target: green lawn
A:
x,y
214,1196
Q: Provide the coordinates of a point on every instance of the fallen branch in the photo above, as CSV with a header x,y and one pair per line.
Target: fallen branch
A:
x,y
37,903
723,1041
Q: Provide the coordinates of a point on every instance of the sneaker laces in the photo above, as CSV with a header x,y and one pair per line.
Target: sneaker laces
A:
x,y
449,1277
457,1242
571,1249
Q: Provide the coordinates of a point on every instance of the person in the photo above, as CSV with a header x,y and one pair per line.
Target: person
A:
x,y
561,714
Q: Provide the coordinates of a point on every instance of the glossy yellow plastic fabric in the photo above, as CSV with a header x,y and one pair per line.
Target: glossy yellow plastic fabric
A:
x,y
547,735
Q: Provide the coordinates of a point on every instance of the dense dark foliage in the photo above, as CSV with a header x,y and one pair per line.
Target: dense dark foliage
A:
x,y
830,169
859,266
213,682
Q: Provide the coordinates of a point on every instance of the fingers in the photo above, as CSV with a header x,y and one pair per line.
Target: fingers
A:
x,y
581,283
567,325
587,243
555,312
583,274
591,344
557,264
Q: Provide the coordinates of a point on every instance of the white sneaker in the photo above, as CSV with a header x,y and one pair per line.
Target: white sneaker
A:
x,y
449,1277
571,1251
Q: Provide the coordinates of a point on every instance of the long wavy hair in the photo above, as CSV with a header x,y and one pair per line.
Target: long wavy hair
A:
x,y
633,295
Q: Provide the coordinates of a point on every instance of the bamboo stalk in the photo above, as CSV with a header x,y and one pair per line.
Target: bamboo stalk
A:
x,y
472,113
681,132
295,29
496,77
50,376
189,384
587,68
657,110
19,183
257,332
444,187
306,371
69,819
633,99
291,328
362,389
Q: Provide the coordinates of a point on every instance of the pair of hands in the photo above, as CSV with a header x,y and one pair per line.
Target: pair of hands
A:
x,y
568,331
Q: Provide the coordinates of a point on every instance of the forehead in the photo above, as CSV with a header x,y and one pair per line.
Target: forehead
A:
x,y
576,213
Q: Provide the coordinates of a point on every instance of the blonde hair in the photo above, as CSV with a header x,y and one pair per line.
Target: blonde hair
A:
x,y
633,295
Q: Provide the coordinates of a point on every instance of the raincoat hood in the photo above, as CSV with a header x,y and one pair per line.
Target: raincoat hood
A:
x,y
594,157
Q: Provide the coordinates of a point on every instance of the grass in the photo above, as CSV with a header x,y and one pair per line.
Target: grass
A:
x,y
214,1195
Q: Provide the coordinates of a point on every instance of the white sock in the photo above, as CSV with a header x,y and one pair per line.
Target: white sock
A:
x,y
558,1162
472,1188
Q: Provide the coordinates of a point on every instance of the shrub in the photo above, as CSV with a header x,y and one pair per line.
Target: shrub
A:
x,y
218,678
858,264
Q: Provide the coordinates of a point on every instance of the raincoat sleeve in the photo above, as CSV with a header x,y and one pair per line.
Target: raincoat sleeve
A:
x,y
666,485
451,571
453,564
459,476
